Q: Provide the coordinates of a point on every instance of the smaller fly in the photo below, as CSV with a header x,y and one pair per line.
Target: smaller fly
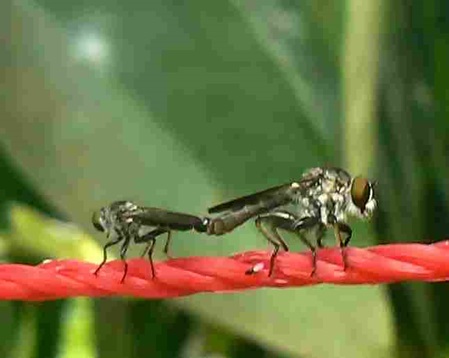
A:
x,y
322,198
124,221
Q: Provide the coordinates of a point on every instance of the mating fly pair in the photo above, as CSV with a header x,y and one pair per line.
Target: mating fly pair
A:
x,y
323,198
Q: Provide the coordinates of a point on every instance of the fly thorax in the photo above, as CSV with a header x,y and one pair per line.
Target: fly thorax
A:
x,y
297,199
129,206
303,206
305,202
339,206
107,221
323,199
323,202
324,215
328,186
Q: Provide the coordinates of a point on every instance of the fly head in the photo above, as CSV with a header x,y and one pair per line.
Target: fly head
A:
x,y
97,221
114,216
362,200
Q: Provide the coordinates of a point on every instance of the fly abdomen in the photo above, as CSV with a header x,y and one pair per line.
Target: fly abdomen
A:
x,y
229,221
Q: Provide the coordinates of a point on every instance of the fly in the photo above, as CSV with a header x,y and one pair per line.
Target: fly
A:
x,y
126,222
322,198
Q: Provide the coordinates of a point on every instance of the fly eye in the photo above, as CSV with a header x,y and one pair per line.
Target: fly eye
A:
x,y
360,192
96,222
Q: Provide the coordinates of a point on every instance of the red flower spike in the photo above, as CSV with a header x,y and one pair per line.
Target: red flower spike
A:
x,y
186,276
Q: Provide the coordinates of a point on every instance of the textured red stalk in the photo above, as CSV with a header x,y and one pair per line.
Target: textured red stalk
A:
x,y
186,276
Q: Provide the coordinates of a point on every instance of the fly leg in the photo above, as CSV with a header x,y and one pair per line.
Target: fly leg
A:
x,y
340,228
273,238
105,248
274,221
319,236
123,250
147,238
167,244
150,238
304,224
348,231
157,232
150,257
149,249
289,222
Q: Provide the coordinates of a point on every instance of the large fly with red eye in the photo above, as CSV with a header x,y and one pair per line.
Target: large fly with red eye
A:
x,y
323,198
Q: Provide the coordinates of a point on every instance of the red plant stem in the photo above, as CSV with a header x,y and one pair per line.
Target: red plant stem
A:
x,y
186,276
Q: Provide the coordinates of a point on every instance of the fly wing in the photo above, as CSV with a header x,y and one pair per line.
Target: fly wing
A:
x,y
165,218
273,197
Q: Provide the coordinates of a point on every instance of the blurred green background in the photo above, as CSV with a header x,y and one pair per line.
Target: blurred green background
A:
x,y
184,104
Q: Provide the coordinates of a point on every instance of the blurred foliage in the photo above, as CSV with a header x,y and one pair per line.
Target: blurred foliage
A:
x,y
182,105
37,235
16,188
